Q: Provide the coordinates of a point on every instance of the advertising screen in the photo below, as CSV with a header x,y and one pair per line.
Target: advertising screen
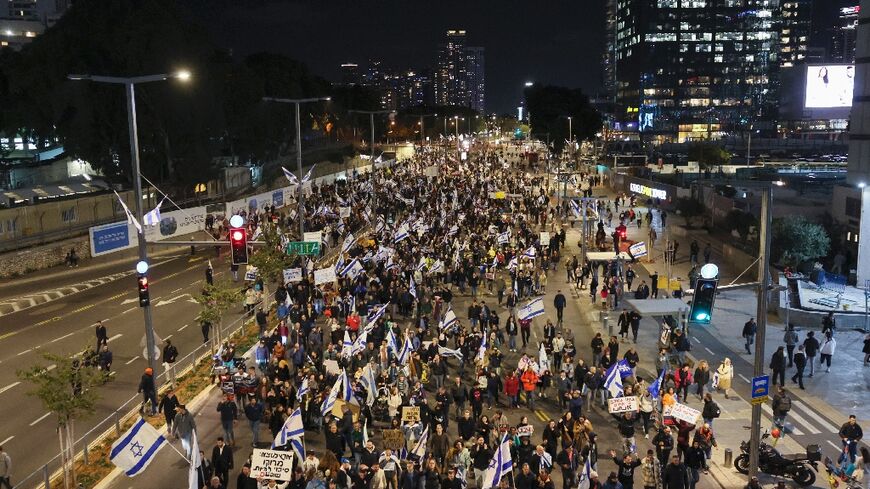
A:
x,y
829,86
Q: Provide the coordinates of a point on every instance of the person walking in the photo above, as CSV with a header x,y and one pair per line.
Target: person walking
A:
x,y
702,377
229,415
167,406
829,346
170,354
866,352
222,461
791,340
800,363
559,303
675,475
777,366
724,376
781,406
5,469
749,329
851,434
102,335
811,347
148,391
183,427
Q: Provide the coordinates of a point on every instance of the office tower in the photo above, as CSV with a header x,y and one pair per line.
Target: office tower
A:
x,y
795,31
475,57
843,35
451,77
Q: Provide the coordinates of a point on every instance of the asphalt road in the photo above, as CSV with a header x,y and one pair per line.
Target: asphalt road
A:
x,y
66,326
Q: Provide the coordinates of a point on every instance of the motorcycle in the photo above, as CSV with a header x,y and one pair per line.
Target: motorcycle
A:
x,y
800,468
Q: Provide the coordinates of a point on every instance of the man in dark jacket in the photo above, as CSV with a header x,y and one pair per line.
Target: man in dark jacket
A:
x,y
222,460
664,443
675,475
167,407
559,303
480,457
459,393
170,354
244,479
749,330
800,363
811,347
229,415
777,366
525,479
568,461
626,469
148,391
254,413
467,426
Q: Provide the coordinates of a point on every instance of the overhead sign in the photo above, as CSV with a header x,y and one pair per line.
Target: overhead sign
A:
x,y
292,275
272,464
324,275
655,193
683,413
303,248
760,389
627,404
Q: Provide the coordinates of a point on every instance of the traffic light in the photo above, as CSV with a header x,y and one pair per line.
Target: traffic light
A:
x,y
144,299
239,245
702,300
621,230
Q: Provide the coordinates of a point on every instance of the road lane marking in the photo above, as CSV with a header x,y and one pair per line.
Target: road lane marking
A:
x,y
825,425
4,389
836,447
115,337
181,328
744,378
41,418
176,290
803,421
7,440
25,352
696,339
167,337
709,351
85,308
130,310
63,337
132,360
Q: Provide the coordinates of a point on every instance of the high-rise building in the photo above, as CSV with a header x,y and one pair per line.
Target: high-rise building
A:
x,y
695,69
476,59
796,28
23,20
843,35
452,73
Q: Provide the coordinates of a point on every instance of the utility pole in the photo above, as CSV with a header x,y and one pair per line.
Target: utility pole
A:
x,y
422,128
761,319
371,114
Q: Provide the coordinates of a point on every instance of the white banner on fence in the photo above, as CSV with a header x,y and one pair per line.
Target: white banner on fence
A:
x,y
292,275
272,464
622,405
683,412
324,275
176,223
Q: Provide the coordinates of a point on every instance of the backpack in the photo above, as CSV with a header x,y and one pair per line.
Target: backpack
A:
x,y
785,403
717,412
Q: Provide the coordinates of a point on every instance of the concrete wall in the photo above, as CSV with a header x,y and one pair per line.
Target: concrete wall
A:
x,y
20,262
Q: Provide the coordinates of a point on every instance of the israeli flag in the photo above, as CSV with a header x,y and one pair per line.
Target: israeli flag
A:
x,y
327,405
346,345
412,288
307,176
136,449
353,269
504,238
624,369
453,230
419,451
447,353
437,267
290,176
130,219
575,208
303,389
195,462
298,447
390,265
391,342
341,201
543,361
482,350
405,353
547,460
152,218
656,387
532,309
380,225
422,264
401,234
365,432
500,465
585,476
530,253
360,344
449,319
292,428
347,389
348,243
377,312
513,263
613,381
368,381
461,475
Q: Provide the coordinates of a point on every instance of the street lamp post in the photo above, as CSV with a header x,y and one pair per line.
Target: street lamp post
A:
x,y
300,209
371,114
422,128
130,91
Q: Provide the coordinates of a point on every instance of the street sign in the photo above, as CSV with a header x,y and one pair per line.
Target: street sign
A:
x,y
760,389
303,248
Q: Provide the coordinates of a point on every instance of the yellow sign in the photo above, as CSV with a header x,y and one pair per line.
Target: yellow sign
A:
x,y
760,400
411,413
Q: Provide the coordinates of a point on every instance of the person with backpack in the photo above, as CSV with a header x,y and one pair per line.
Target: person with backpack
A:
x,y
777,366
791,340
781,406
749,329
711,410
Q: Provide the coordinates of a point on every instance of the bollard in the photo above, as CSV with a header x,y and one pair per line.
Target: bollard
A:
x,y
45,476
728,455
604,322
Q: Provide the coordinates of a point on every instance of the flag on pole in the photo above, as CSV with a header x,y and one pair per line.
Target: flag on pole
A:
x,y
347,389
348,243
422,264
400,234
391,342
504,238
195,462
130,218
365,432
500,465
437,267
613,381
290,176
308,175
419,450
360,344
543,361
412,288
152,218
656,387
453,230
377,313
303,389
447,352
136,449
533,309
575,208
327,405
547,460
530,253
513,263
346,345
449,319
461,475
368,381
482,350
405,353
292,428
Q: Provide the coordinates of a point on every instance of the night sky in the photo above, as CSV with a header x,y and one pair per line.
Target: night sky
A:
x,y
556,42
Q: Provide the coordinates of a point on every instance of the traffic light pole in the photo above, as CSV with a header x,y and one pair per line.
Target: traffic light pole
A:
x,y
761,320
143,249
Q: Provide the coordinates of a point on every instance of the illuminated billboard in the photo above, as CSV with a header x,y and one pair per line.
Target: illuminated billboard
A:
x,y
829,86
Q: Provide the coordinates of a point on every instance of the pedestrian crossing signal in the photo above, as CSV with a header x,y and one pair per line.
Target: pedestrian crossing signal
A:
x,y
239,246
702,300
144,298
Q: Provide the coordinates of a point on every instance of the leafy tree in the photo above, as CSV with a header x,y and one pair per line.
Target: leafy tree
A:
x,y
69,391
216,300
795,240
549,107
709,155
270,259
740,221
690,209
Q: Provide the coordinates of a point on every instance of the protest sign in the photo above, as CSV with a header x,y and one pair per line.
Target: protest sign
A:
x,y
411,413
526,430
344,212
272,464
684,413
394,439
626,404
313,236
251,273
331,367
324,275
292,275
545,238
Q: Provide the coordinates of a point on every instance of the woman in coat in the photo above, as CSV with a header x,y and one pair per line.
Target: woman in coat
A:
x,y
702,377
725,374
829,346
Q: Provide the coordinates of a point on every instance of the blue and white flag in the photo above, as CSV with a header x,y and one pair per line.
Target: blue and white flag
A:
x,y
437,267
504,238
392,345
575,208
656,387
447,353
513,263
346,345
152,218
584,478
367,379
303,389
405,352
400,234
352,269
613,381
293,427
307,176
453,230
422,264
136,448
500,465
462,476
530,253
290,176
543,361
546,460
377,312
390,264
532,309
298,445
360,344
130,219
347,389
380,225
195,462
419,450
481,351
412,288
624,368
449,319
327,405
348,243
341,202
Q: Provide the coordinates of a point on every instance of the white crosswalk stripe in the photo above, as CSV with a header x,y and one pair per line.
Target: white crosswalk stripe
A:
x,y
769,413
818,419
21,303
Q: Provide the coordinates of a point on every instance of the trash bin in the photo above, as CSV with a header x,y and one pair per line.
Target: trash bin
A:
x,y
728,456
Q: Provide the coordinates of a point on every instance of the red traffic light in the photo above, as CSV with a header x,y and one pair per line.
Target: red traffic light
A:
x,y
237,235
